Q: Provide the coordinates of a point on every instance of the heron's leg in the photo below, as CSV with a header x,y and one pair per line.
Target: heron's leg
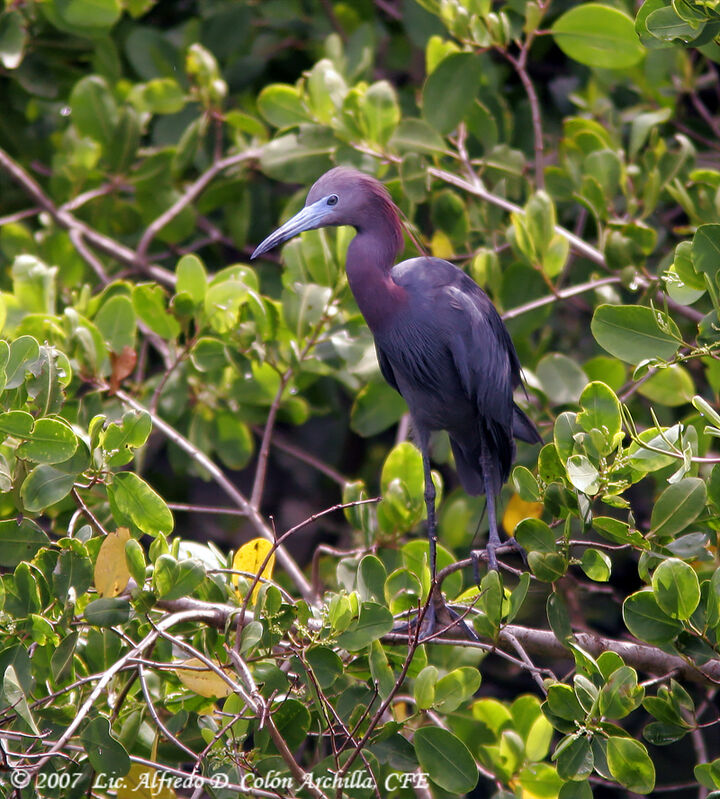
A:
x,y
492,489
430,505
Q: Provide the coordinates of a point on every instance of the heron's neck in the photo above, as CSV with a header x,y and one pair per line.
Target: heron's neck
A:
x,y
370,257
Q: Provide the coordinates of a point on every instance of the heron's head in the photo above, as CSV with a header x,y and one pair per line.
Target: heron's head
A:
x,y
342,196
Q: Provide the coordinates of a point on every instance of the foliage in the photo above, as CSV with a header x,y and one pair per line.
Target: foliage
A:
x,y
146,146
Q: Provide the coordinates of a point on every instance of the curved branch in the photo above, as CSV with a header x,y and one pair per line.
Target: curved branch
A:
x,y
66,220
190,194
253,516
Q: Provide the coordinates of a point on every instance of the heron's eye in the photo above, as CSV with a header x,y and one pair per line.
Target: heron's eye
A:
x,y
332,199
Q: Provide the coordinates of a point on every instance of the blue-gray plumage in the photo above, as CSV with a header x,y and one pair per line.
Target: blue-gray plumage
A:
x,y
439,340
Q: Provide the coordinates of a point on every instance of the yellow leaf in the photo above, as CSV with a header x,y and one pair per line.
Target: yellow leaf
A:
x,y
143,782
250,558
517,510
440,245
111,572
202,680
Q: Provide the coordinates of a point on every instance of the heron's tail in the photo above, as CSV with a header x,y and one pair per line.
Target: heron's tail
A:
x,y
524,428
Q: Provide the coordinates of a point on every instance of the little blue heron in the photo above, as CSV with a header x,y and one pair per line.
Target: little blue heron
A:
x,y
439,340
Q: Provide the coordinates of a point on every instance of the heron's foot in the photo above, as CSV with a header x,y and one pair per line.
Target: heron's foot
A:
x,y
441,621
519,549
491,552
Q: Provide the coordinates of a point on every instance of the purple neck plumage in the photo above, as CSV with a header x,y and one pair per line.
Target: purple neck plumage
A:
x,y
370,257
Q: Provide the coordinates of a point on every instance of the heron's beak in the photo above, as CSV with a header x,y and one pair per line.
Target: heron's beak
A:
x,y
311,217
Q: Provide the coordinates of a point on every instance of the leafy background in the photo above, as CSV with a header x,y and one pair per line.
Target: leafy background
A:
x,y
211,511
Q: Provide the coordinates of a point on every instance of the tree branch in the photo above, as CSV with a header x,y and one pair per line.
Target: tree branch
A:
x,y
236,496
191,193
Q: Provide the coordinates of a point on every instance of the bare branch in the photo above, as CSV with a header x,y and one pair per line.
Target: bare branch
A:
x,y
190,194
236,496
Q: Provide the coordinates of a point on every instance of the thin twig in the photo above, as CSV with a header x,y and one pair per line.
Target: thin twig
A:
x,y
190,194
288,563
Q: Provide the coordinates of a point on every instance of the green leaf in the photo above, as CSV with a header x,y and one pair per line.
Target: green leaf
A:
x,y
19,541
706,250
635,333
122,148
51,441
15,698
600,410
174,579
135,560
558,617
23,351
373,622
209,354
232,440
94,111
149,302
596,564
446,759
45,486
16,423
416,136
562,702
120,439
575,758
424,689
666,25
298,157
108,611
404,463
304,306
583,474
106,755
672,386
88,16
380,670
455,688
163,96
534,535
561,378
547,567
676,588
13,38
133,499
630,764
618,532
598,36
381,111
191,278
292,720
658,733
576,790
678,506
450,90
647,621
326,665
621,694
525,484
371,579
282,105
377,406
116,321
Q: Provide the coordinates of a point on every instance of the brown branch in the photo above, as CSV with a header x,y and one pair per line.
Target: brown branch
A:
x,y
643,657
281,443
519,65
66,220
190,194
287,562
